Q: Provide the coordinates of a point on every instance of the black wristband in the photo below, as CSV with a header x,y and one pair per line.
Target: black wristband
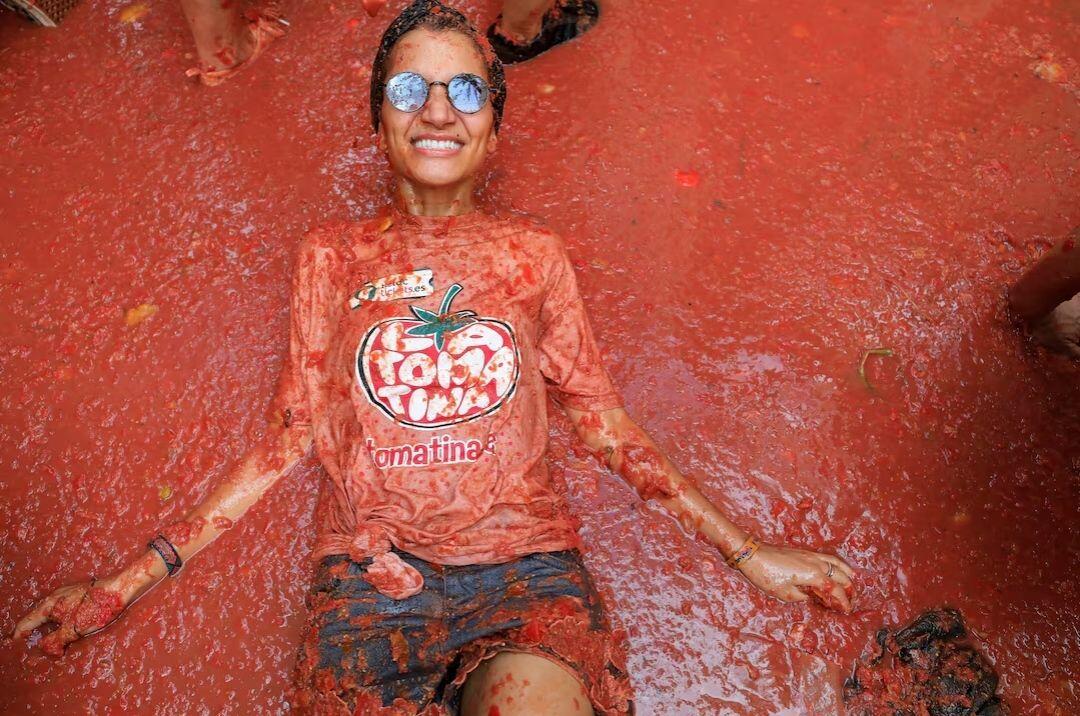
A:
x,y
168,554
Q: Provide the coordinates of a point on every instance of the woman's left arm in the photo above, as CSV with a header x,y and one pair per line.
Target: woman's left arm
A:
x,y
792,575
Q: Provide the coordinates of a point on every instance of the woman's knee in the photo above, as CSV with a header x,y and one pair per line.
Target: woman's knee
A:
x,y
516,684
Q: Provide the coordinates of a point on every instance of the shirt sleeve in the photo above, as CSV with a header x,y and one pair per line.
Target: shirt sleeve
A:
x,y
292,403
569,358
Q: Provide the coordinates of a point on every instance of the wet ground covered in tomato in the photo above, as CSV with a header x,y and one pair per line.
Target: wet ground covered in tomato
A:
x,y
755,195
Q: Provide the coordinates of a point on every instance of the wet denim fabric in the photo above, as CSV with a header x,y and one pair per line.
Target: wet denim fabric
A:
x,y
407,649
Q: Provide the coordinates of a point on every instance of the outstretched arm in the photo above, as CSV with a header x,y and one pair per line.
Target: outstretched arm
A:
x,y
792,575
84,608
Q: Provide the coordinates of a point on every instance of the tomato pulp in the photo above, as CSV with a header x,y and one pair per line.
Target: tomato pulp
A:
x,y
756,195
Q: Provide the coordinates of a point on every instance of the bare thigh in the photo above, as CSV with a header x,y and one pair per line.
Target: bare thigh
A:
x,y
516,684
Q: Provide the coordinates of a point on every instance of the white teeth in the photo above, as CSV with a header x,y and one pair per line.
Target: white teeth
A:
x,y
437,144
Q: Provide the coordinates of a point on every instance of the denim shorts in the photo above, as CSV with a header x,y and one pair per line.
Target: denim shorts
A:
x,y
365,653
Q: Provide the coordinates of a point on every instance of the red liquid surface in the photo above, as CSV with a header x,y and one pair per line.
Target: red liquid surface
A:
x,y
755,193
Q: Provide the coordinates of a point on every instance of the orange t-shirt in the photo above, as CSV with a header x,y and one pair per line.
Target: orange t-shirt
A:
x,y
420,349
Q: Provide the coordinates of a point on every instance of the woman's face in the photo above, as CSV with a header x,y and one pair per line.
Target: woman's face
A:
x,y
436,56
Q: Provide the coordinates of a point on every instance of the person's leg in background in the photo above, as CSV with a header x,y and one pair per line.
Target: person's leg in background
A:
x,y
226,36
527,28
1047,297
521,20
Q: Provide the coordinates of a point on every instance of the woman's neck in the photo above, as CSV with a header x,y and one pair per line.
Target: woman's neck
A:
x,y
426,201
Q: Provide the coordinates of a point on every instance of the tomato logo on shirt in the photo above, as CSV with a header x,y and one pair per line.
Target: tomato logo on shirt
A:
x,y
438,369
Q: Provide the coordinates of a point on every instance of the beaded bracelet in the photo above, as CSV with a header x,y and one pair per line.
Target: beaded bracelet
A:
x,y
743,554
168,554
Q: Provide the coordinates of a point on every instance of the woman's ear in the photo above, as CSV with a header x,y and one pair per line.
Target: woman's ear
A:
x,y
492,142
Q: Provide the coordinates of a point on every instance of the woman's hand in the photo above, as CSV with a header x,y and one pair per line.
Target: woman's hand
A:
x,y
795,575
77,610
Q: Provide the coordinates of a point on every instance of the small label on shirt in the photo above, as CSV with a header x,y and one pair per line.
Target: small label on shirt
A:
x,y
395,287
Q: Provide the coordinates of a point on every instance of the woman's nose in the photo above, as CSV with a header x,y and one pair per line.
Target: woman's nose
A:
x,y
438,111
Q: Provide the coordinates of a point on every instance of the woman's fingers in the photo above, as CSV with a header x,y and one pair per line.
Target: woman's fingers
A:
x,y
791,593
795,575
840,597
839,577
35,618
56,641
840,565
61,608
829,594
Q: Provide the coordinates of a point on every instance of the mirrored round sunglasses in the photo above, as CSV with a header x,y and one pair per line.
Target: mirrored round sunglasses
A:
x,y
408,92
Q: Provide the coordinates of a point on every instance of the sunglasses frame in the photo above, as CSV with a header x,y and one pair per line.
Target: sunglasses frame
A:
x,y
487,91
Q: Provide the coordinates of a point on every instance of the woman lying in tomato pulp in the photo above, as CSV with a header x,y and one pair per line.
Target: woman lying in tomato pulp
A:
x,y
423,345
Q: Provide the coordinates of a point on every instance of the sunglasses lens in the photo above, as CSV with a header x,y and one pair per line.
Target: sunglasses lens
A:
x,y
468,93
406,91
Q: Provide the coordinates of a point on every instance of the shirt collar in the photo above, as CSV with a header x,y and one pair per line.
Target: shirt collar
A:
x,y
434,229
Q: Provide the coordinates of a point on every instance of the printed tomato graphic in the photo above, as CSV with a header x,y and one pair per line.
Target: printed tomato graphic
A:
x,y
438,369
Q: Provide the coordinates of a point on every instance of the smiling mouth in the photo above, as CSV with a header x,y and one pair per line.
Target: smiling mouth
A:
x,y
439,146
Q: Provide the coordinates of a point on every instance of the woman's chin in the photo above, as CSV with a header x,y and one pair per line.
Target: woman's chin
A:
x,y
440,178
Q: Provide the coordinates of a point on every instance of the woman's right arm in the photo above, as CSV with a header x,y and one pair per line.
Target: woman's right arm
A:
x,y
84,608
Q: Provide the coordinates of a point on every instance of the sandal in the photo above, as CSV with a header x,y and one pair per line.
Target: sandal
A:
x,y
563,22
265,26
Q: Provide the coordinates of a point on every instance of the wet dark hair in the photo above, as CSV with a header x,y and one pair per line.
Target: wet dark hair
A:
x,y
433,15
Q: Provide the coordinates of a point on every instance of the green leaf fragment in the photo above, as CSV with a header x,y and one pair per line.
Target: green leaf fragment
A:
x,y
883,352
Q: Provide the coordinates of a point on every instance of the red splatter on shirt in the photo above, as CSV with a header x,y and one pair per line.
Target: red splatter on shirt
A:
x,y
437,338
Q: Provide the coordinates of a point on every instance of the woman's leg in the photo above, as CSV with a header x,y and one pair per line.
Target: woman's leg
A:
x,y
518,684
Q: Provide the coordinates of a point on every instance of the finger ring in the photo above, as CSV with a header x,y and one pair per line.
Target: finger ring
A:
x,y
830,570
